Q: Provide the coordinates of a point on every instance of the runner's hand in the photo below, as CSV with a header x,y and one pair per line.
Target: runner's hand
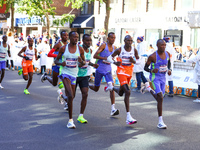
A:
x,y
26,57
96,65
154,70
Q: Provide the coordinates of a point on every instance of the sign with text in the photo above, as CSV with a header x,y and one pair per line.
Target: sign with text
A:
x,y
28,21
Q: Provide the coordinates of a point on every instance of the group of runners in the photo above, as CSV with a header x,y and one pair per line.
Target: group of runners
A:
x,y
72,63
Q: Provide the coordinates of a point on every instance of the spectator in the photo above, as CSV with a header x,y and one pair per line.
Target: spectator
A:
x,y
138,69
169,48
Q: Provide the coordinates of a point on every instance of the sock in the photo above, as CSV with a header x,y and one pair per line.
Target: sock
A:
x,y
160,119
113,107
148,86
109,84
70,120
80,115
128,115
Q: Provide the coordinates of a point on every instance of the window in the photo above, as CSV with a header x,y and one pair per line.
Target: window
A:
x,y
152,35
154,5
87,9
131,5
175,36
184,4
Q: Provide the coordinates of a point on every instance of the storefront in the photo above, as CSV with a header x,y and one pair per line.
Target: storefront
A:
x,y
152,26
83,24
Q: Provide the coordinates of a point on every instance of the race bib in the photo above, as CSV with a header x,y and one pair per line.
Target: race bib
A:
x,y
163,69
71,62
106,62
2,55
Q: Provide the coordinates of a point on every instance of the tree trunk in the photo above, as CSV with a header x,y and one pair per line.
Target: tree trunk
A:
x,y
48,23
106,23
12,17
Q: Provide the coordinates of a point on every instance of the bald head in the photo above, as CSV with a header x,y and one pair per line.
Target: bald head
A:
x,y
161,45
4,38
127,37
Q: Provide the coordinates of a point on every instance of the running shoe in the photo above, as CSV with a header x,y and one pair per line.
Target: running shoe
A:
x,y
108,88
136,90
114,112
131,121
66,107
196,100
26,91
43,77
142,90
162,125
1,87
71,125
81,119
12,68
60,85
170,95
20,72
7,68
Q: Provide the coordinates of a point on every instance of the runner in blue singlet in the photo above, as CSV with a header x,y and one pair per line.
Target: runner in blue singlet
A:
x,y
160,65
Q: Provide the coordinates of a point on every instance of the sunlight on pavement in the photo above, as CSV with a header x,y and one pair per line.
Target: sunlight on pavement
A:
x,y
192,118
146,141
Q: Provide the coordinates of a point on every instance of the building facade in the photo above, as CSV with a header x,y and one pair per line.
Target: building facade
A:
x,y
34,25
153,19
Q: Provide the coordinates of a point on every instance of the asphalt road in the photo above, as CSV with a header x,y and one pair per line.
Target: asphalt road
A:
x,y
38,122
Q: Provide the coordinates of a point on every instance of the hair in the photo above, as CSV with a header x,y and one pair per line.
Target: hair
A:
x,y
70,33
61,33
110,33
85,35
29,39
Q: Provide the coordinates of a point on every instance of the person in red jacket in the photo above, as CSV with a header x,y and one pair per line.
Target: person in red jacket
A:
x,y
55,68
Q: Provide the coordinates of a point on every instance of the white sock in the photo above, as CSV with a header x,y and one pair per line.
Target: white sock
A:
x,y
128,115
70,120
80,115
148,86
161,119
113,107
109,84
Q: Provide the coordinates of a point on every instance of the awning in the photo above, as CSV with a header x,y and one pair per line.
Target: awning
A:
x,y
83,22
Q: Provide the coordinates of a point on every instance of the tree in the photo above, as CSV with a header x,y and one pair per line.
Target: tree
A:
x,y
9,6
43,8
79,4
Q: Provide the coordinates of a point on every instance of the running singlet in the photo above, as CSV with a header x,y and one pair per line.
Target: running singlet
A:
x,y
3,52
104,65
161,65
71,60
82,72
56,52
29,53
126,67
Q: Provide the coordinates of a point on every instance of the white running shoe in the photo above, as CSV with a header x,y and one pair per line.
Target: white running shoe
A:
x,y
131,121
114,112
196,100
71,125
43,77
161,125
12,68
1,87
60,99
142,90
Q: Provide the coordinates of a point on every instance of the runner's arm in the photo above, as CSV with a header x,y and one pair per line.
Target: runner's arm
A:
x,y
82,56
36,57
51,52
61,51
169,62
150,59
101,48
9,51
22,51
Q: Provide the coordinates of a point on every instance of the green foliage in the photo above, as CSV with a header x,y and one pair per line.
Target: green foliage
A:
x,y
64,18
